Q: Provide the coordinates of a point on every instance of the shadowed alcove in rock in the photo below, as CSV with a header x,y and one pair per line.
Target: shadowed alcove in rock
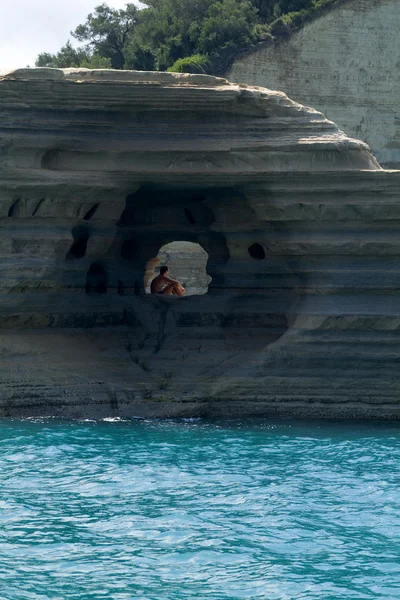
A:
x,y
209,237
173,227
96,279
81,236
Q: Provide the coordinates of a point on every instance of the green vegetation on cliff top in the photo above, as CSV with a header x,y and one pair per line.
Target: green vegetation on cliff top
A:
x,y
192,36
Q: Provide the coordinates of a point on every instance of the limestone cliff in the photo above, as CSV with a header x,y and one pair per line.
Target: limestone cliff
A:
x,y
345,63
100,169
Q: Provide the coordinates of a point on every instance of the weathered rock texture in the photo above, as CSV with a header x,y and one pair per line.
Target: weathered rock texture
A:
x,y
100,169
345,63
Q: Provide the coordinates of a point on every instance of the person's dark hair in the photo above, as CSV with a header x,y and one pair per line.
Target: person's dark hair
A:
x,y
163,269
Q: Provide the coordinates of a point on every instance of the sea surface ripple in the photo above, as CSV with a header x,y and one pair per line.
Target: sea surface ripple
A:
x,y
168,510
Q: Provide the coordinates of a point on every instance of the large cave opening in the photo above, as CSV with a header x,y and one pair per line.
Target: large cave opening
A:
x,y
237,281
187,263
177,227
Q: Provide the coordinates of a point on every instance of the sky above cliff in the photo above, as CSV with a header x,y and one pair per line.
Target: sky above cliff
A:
x,y
28,28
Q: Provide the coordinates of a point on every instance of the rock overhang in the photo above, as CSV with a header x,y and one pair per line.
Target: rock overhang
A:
x,y
166,123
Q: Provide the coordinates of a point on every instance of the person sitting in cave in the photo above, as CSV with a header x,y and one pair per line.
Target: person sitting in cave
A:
x,y
162,284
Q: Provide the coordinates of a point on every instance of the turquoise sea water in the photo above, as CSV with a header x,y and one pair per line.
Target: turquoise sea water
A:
x,y
167,510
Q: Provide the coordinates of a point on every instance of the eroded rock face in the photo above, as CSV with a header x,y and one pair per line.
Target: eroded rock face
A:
x,y
345,63
100,169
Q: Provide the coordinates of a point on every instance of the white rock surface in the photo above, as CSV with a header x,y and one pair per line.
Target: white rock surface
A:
x,y
345,63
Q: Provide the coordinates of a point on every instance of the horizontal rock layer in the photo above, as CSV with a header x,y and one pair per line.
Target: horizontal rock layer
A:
x,y
100,169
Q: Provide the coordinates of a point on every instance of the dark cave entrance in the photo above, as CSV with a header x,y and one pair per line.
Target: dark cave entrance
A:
x,y
81,236
163,225
96,279
247,287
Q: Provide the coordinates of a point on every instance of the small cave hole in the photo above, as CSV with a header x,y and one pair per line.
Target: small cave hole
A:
x,y
90,213
96,279
13,210
257,251
190,217
79,245
38,205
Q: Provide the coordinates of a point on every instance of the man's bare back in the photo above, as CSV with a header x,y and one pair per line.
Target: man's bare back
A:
x,y
162,284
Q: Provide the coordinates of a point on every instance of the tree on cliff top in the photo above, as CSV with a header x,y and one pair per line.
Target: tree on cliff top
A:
x,y
176,29
107,31
178,34
169,30
69,56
